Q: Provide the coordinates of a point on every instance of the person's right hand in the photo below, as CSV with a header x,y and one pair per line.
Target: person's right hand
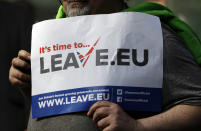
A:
x,y
20,73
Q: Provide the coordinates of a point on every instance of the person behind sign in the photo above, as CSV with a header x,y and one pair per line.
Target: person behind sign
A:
x,y
181,103
162,2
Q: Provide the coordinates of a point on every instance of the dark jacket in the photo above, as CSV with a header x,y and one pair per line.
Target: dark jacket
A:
x,y
15,28
181,85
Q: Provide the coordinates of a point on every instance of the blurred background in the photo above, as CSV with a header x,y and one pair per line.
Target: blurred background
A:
x,y
16,20
188,10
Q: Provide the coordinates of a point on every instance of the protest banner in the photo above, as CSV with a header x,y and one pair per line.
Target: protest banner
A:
x,y
78,61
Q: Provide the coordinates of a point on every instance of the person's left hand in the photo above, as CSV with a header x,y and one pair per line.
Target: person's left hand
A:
x,y
110,117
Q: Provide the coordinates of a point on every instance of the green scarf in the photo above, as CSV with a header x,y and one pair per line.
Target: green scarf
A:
x,y
170,20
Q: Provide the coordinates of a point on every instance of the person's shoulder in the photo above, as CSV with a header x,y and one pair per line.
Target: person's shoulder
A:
x,y
170,34
181,83
175,47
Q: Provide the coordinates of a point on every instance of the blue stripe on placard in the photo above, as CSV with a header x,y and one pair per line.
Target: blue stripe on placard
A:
x,y
81,99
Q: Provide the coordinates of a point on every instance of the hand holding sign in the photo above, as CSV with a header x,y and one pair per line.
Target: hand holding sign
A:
x,y
20,73
111,117
104,61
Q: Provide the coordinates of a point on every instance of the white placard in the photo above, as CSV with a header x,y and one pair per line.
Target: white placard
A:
x,y
78,61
